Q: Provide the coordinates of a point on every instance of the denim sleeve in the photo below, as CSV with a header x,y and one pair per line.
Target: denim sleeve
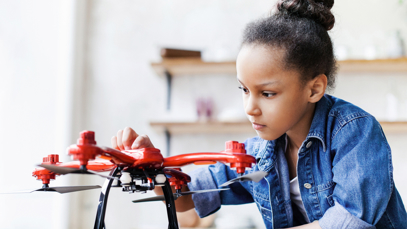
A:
x,y
211,178
338,217
362,171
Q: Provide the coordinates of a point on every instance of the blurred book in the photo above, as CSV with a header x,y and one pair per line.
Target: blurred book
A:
x,y
179,53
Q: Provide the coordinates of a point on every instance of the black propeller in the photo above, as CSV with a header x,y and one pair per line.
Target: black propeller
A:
x,y
178,194
62,189
65,170
256,177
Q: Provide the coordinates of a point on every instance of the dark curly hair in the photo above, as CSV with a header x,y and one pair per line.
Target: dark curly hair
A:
x,y
300,27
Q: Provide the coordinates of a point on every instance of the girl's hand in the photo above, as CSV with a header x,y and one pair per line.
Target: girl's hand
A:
x,y
128,139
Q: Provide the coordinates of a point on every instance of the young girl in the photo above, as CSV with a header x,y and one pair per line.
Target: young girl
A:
x,y
328,162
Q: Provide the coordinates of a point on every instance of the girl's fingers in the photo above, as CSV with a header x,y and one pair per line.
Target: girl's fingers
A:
x,y
119,140
129,135
113,140
142,141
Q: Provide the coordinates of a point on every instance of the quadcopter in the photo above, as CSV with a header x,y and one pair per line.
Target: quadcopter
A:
x,y
139,170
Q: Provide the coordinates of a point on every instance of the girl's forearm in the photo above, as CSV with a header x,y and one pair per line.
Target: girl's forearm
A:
x,y
183,203
313,225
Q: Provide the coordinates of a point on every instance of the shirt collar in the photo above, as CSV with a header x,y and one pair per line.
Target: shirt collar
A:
x,y
266,156
319,122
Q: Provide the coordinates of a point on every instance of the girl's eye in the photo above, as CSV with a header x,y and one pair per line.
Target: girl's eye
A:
x,y
268,94
243,89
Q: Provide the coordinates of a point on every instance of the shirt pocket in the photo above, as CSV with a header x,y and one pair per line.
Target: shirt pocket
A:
x,y
265,212
263,204
330,200
324,192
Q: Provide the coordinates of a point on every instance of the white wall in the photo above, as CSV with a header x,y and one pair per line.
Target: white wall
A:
x,y
39,108
28,46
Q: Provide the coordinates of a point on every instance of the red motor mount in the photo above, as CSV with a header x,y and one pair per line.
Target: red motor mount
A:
x,y
85,149
44,174
178,178
236,148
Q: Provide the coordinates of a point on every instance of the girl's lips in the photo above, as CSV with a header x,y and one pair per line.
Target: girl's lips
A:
x,y
257,126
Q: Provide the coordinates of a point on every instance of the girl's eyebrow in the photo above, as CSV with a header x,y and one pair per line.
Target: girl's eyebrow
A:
x,y
262,84
268,83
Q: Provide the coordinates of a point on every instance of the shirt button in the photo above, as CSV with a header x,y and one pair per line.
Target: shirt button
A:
x,y
308,144
307,185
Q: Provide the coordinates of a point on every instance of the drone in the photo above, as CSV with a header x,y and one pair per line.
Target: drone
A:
x,y
139,170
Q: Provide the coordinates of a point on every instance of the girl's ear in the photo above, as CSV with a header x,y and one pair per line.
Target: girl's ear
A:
x,y
317,87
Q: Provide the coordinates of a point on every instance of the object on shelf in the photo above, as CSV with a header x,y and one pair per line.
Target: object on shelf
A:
x,y
371,52
341,52
179,53
204,109
395,47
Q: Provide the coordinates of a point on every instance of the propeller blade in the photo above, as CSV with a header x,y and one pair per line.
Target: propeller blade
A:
x,y
68,189
66,170
18,192
62,189
256,177
155,198
59,169
101,175
200,191
176,195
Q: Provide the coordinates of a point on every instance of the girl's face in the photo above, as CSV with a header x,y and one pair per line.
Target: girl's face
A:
x,y
275,100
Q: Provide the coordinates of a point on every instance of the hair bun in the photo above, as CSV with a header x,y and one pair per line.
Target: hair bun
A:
x,y
317,10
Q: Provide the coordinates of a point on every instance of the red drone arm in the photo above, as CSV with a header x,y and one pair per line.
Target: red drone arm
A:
x,y
235,154
86,150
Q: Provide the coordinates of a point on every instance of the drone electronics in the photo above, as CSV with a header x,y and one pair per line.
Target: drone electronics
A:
x,y
139,170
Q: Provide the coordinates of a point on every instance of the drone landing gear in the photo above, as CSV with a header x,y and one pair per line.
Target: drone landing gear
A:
x,y
169,203
100,215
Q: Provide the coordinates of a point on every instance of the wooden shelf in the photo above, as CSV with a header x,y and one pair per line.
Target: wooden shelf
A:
x,y
204,127
381,65
394,127
186,66
191,66
243,127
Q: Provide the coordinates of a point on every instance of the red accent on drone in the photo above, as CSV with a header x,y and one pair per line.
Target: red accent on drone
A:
x,y
86,151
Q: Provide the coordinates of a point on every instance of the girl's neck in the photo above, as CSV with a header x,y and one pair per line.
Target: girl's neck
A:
x,y
297,134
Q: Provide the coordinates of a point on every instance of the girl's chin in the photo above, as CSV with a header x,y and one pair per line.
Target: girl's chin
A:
x,y
267,136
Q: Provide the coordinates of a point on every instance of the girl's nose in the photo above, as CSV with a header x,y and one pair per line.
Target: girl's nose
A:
x,y
251,107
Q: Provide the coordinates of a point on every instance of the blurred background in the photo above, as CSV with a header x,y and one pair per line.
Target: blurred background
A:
x,y
68,66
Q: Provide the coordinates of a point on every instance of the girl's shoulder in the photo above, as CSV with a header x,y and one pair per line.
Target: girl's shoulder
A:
x,y
344,111
349,125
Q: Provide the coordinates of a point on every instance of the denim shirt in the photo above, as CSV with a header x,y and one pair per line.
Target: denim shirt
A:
x,y
344,172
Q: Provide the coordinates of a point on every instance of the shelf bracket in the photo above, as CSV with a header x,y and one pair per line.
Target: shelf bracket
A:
x,y
168,77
